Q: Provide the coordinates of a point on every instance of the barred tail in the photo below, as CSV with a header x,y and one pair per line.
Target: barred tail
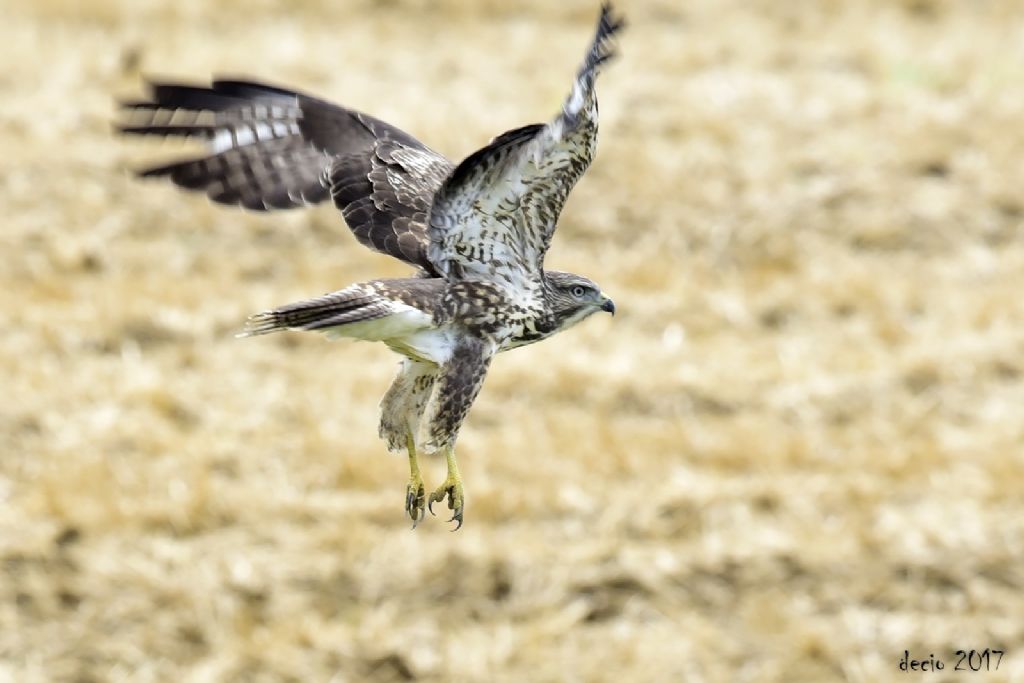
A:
x,y
356,303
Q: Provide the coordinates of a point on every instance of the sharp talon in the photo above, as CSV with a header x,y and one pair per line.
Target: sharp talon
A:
x,y
414,501
457,517
452,490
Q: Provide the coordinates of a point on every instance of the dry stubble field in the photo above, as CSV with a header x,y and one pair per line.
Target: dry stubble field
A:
x,y
794,454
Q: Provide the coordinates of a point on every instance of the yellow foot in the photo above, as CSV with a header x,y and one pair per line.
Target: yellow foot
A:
x,y
451,489
414,491
414,499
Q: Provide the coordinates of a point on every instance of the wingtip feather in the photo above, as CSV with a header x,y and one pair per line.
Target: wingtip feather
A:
x,y
603,47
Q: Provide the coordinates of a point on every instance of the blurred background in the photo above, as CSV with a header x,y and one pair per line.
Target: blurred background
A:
x,y
797,452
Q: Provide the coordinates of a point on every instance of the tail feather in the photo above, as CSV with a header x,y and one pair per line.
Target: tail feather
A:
x,y
349,305
378,310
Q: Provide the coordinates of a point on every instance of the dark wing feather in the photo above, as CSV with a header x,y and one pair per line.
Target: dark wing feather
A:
x,y
385,197
272,148
273,175
495,215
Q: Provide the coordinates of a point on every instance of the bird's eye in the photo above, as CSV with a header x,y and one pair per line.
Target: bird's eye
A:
x,y
578,292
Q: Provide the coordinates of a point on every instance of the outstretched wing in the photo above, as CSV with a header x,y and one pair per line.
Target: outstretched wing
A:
x,y
495,215
272,148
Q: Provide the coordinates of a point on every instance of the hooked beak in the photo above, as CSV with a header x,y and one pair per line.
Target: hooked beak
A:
x,y
608,306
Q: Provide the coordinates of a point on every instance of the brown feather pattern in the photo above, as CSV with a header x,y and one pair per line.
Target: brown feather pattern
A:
x,y
356,303
273,148
478,232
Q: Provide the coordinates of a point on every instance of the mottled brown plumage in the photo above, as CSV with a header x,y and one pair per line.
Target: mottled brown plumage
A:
x,y
274,148
477,233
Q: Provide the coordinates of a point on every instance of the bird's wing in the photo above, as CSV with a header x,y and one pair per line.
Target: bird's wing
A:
x,y
496,213
272,148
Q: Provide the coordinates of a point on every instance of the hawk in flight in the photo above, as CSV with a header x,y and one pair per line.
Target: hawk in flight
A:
x,y
476,232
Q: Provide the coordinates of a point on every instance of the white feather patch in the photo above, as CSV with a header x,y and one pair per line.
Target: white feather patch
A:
x,y
244,136
223,140
408,331
404,320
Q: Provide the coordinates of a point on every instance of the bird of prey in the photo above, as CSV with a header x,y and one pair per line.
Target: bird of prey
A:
x,y
476,232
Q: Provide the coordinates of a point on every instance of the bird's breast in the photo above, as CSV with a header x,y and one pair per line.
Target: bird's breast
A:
x,y
527,330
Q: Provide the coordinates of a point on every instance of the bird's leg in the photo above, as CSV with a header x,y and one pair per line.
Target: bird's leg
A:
x,y
451,488
414,492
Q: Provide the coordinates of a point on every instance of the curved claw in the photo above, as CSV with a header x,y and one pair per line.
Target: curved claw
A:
x,y
457,517
416,519
414,504
453,492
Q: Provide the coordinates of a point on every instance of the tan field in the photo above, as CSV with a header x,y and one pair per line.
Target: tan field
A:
x,y
795,453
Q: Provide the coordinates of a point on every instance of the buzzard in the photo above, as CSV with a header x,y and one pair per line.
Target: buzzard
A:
x,y
476,233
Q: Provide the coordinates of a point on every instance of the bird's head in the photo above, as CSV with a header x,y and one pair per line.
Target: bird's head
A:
x,y
573,297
